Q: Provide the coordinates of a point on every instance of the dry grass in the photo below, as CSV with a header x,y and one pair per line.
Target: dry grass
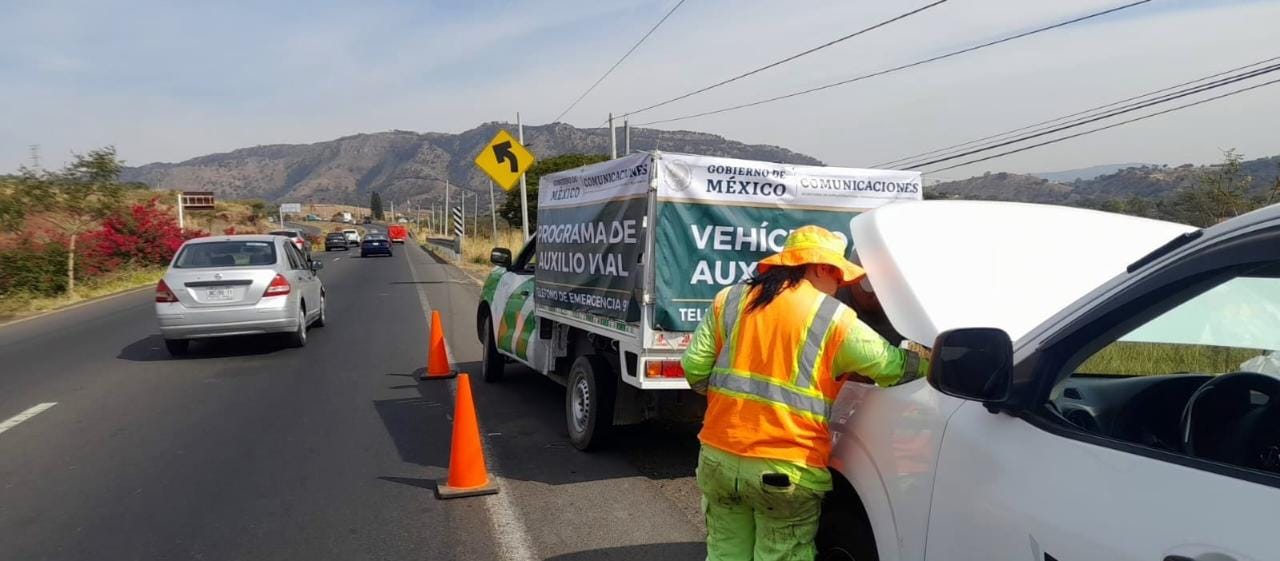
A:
x,y
1145,359
18,305
475,250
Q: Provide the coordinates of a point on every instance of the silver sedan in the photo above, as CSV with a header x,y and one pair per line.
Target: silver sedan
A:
x,y
238,285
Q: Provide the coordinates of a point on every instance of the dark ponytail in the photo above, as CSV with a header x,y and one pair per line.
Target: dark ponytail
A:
x,y
772,282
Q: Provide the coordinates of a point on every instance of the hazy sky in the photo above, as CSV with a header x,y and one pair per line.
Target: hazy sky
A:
x,y
166,81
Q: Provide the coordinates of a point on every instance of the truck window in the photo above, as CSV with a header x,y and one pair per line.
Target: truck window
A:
x,y
527,261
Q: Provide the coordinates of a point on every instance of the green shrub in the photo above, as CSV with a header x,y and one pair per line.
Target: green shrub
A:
x,y
34,268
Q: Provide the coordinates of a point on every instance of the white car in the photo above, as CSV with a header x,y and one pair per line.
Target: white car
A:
x,y
1134,416
353,236
238,285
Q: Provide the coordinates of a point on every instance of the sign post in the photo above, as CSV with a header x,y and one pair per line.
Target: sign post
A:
x,y
193,200
505,160
291,208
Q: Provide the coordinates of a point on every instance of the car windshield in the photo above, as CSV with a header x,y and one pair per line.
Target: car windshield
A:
x,y
337,236
286,234
226,254
1234,326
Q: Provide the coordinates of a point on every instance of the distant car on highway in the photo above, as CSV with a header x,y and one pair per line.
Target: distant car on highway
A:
x,y
353,236
335,240
298,238
238,285
375,244
397,233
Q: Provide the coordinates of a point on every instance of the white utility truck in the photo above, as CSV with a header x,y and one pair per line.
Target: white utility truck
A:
x,y
628,255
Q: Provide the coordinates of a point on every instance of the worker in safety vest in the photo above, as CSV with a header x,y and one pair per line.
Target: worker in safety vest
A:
x,y
770,356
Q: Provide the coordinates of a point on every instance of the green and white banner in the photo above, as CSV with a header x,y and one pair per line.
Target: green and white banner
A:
x,y
591,236
718,216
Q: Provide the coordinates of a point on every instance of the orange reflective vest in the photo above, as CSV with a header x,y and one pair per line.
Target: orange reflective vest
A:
x,y
777,370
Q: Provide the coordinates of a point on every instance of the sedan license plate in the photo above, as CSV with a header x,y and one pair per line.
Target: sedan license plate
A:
x,y
219,294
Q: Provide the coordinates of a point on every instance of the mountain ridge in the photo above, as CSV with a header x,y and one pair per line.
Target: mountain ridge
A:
x,y
407,165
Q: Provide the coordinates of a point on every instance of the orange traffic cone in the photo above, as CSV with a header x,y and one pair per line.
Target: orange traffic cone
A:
x,y
437,356
467,474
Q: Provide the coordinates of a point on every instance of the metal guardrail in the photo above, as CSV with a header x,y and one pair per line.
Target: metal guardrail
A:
x,y
447,247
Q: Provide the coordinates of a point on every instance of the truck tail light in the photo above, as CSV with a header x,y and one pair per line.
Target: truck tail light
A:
x,y
279,287
663,369
163,294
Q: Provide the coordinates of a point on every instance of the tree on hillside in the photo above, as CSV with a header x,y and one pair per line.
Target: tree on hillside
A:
x,y
1221,192
72,201
375,205
510,209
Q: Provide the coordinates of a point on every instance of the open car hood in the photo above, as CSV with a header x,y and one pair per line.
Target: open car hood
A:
x,y
939,265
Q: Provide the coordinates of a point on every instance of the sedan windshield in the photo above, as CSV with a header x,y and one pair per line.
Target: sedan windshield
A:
x,y
226,254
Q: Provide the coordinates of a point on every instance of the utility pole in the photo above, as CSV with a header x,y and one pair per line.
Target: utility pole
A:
x,y
35,156
626,137
393,211
613,139
524,191
493,212
475,217
448,210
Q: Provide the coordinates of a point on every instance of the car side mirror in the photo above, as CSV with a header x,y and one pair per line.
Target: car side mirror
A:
x,y
316,266
500,256
973,363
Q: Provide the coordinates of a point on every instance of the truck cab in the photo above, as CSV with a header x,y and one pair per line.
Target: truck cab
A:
x,y
1102,387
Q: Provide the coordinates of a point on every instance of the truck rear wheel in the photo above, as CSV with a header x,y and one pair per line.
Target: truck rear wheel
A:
x,y
493,366
589,402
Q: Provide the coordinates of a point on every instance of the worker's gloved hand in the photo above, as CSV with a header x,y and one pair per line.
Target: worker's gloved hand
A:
x,y
917,348
917,361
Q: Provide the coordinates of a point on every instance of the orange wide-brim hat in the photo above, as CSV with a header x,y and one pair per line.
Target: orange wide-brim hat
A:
x,y
814,245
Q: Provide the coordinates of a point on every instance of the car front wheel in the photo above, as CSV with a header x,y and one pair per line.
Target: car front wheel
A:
x,y
843,531
321,319
493,366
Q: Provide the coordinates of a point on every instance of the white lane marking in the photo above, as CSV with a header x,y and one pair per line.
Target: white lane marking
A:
x,y
508,528
20,417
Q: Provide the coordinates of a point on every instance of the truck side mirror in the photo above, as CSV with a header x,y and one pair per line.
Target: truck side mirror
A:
x,y
500,256
974,364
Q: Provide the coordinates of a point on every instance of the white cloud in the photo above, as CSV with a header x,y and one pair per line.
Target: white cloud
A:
x,y
167,84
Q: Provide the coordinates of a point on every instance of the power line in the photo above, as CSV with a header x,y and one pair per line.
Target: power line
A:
x,y
788,59
1111,126
900,161
902,67
1095,118
1105,115
616,64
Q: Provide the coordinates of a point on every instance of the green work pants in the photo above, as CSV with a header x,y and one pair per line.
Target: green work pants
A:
x,y
748,519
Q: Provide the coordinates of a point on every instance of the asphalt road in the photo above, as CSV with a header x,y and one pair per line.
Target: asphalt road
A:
x,y
249,450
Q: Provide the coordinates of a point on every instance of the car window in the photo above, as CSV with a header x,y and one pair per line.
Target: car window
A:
x,y
1151,375
1231,326
295,260
225,254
